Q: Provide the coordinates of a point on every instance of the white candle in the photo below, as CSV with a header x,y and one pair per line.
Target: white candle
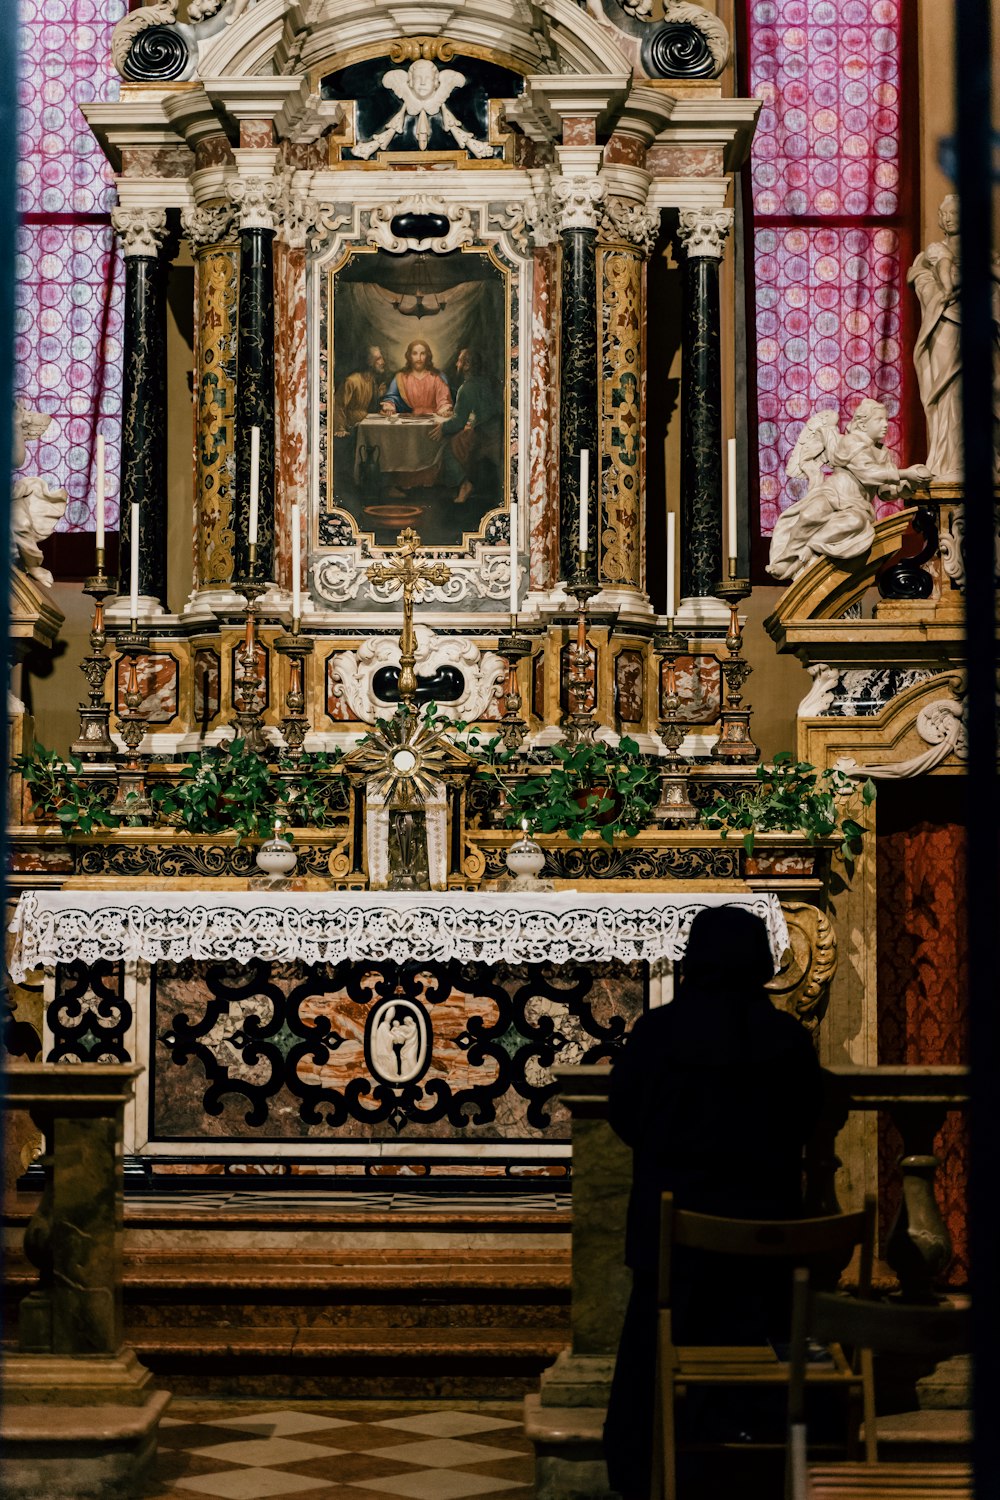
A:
x,y
513,557
584,488
731,505
254,483
671,599
296,564
134,569
99,509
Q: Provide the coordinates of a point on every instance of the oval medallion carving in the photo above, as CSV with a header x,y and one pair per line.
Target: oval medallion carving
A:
x,y
397,1041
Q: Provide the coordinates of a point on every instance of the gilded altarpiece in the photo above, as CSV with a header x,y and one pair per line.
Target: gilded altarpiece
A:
x,y
621,271
218,289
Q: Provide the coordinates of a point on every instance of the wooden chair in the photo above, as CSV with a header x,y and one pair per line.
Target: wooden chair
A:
x,y
831,1239
868,1328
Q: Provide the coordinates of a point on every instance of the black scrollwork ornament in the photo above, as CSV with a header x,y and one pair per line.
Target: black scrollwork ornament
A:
x,y
677,49
157,55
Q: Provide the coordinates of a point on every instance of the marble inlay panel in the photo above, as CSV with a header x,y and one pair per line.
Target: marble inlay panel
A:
x,y
352,1052
207,686
163,162
218,283
543,496
159,684
578,385
628,150
255,397
291,403
256,135
538,685
684,161
621,417
630,686
579,130
212,151
144,424
699,687
701,429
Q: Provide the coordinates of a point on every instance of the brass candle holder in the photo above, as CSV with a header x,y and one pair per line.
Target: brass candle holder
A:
x,y
131,798
95,742
675,805
295,724
247,698
513,648
580,723
735,744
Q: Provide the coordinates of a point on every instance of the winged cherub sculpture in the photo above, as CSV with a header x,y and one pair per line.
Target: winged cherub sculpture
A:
x,y
835,517
424,90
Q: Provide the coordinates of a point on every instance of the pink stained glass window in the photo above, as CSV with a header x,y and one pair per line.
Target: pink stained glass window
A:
x,y
68,318
831,231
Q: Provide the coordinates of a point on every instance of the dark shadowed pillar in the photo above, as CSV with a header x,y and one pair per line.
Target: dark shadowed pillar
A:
x,y
144,401
578,200
702,234
256,198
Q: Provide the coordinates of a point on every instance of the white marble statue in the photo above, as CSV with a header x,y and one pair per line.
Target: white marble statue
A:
x,y
835,517
35,510
936,277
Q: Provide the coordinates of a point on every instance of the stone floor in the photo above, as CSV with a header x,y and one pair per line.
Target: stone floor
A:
x,y
341,1450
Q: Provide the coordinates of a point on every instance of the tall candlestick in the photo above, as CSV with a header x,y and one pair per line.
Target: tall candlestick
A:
x,y
584,495
513,557
671,598
731,507
99,509
134,568
254,483
296,564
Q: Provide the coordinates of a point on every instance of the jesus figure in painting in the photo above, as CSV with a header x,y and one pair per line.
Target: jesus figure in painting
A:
x,y
418,388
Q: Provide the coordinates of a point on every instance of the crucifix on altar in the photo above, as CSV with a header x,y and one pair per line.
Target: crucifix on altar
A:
x,y
404,764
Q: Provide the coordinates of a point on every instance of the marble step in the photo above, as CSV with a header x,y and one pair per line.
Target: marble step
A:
x,y
934,1436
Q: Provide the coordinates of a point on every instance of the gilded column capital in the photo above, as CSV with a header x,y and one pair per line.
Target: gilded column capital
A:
x,y
702,231
632,222
141,230
577,201
206,226
256,200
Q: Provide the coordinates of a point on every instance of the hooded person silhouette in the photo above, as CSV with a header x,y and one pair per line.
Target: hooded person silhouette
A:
x,y
716,1094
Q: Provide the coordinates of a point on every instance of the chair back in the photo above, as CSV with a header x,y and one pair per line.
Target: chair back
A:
x,y
830,1238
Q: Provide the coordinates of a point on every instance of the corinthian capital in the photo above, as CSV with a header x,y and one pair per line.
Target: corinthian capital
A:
x,y
256,197
141,230
206,226
578,201
631,222
702,231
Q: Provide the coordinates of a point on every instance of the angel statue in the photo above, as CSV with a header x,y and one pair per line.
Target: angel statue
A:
x,y
424,90
35,510
835,517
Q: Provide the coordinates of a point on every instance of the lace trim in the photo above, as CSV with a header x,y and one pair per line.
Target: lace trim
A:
x,y
53,927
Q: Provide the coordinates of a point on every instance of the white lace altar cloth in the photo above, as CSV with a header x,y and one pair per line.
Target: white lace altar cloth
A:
x,y
58,927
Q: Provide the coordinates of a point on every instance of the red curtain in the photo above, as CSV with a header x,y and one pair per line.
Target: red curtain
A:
x,y
922,974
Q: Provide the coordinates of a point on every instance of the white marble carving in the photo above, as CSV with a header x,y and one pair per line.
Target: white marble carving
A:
x,y
341,576
937,358
398,1041
951,545
836,518
578,201
461,229
679,12
206,226
423,90
141,230
942,725
35,510
821,693
482,672
703,231
257,198
632,222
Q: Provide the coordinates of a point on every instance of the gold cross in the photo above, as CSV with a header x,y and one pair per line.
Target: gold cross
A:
x,y
412,575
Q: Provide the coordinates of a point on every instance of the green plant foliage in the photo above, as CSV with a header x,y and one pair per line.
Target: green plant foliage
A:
x,y
792,797
58,791
229,789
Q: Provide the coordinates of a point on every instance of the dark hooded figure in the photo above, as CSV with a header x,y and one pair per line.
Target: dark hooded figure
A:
x,y
716,1094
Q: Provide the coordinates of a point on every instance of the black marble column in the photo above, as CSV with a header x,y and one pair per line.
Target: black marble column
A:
x,y
255,398
144,425
702,235
578,393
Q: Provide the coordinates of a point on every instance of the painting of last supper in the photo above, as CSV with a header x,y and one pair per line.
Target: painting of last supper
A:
x,y
418,397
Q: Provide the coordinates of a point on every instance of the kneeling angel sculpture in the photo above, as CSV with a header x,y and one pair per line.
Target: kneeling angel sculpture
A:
x,y
835,517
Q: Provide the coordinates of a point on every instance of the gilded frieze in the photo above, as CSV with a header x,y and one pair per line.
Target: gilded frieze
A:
x,y
621,416
218,282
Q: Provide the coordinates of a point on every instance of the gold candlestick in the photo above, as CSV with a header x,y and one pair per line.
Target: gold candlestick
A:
x,y
735,744
580,723
513,648
675,805
95,742
295,724
131,799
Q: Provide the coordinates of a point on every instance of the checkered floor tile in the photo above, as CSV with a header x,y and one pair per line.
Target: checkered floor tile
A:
x,y
324,1450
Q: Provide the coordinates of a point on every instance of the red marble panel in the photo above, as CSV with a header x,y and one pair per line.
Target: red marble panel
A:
x,y
538,685
212,151
159,679
164,161
207,685
684,161
699,687
256,135
291,404
630,686
629,150
543,442
579,130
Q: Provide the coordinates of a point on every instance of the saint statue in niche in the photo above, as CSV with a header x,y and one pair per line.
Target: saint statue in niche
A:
x,y
835,517
419,360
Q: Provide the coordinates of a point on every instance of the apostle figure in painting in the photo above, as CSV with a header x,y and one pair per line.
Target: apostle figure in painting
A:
x,y
360,394
836,518
418,388
472,433
936,278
